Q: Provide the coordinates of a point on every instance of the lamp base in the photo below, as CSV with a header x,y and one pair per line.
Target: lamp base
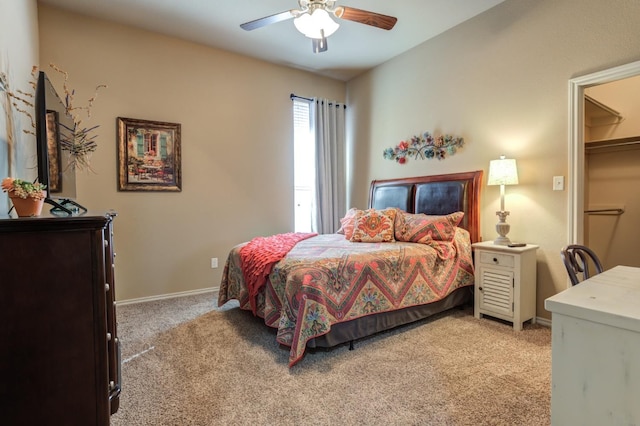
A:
x,y
502,228
502,241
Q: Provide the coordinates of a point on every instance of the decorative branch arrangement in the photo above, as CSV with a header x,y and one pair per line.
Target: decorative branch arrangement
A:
x,y
78,141
424,146
22,101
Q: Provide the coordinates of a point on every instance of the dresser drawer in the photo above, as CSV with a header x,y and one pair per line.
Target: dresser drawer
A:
x,y
499,259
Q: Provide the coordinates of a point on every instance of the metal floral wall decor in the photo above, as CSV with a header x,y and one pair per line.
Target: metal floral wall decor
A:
x,y
424,146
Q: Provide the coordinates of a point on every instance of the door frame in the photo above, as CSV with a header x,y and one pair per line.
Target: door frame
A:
x,y
576,140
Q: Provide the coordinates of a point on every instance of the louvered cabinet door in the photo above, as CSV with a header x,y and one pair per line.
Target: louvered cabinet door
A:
x,y
505,282
496,291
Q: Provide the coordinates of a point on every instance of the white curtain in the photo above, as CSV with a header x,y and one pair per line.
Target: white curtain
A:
x,y
328,120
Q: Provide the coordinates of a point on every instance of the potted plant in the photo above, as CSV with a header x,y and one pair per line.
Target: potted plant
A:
x,y
27,198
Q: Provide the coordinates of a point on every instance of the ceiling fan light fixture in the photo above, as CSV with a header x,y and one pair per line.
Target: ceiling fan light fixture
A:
x,y
319,45
316,24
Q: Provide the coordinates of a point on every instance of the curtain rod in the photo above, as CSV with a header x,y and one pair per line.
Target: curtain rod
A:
x,y
293,95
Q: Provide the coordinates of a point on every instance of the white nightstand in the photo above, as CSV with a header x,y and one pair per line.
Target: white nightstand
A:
x,y
505,284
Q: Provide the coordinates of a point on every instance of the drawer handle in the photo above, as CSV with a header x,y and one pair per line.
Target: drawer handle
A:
x,y
106,287
480,288
495,260
108,337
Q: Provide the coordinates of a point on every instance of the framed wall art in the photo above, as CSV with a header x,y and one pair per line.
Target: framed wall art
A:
x,y
148,155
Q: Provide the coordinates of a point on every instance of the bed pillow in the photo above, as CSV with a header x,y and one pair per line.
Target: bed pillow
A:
x,y
347,222
374,226
420,228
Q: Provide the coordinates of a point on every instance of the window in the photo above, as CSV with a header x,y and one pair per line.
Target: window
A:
x,y
304,165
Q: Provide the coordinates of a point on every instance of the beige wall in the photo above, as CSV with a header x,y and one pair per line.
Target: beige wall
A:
x,y
499,80
18,53
237,150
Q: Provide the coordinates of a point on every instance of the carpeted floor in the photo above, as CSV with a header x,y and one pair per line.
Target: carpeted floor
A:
x,y
185,362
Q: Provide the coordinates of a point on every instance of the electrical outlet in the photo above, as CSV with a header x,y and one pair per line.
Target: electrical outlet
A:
x,y
214,262
558,183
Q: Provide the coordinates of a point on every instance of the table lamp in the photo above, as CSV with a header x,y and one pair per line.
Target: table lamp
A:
x,y
502,172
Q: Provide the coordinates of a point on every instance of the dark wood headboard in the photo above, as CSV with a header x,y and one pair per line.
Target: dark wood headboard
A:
x,y
433,195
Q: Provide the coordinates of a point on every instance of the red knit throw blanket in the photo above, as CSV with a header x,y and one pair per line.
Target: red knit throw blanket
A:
x,y
260,254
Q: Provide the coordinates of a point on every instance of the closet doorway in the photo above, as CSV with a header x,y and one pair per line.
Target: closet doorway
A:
x,y
604,202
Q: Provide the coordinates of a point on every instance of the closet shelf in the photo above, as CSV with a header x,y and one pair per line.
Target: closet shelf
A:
x,y
610,143
599,114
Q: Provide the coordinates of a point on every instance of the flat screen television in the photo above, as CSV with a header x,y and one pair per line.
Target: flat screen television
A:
x,y
54,170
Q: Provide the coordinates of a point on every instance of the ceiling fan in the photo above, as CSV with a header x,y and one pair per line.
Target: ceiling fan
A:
x,y
313,19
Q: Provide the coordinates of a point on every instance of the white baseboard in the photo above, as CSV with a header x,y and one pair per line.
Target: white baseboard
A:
x,y
167,296
543,322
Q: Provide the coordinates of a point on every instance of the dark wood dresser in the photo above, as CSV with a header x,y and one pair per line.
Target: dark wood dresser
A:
x,y
59,349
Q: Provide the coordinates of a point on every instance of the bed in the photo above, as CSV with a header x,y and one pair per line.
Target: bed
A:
x,y
329,290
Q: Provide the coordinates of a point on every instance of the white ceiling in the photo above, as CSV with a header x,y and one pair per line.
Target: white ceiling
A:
x,y
353,49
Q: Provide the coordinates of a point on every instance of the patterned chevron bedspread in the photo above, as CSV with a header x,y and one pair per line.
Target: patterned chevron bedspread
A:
x,y
326,279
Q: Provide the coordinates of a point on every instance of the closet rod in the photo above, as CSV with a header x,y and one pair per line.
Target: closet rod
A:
x,y
616,212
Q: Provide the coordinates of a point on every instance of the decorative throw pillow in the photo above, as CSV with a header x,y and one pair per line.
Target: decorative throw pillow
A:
x,y
347,222
420,228
374,226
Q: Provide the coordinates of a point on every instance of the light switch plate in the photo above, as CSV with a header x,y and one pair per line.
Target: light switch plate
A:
x,y
558,183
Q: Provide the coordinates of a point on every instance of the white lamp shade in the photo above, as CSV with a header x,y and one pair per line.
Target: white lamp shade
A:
x,y
311,24
503,172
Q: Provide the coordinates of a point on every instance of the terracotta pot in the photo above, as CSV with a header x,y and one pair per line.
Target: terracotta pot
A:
x,y
26,207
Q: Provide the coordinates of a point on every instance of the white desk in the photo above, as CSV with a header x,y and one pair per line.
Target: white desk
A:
x,y
595,350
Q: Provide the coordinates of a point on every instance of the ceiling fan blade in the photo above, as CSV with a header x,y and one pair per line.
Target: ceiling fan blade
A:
x,y
365,17
267,20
